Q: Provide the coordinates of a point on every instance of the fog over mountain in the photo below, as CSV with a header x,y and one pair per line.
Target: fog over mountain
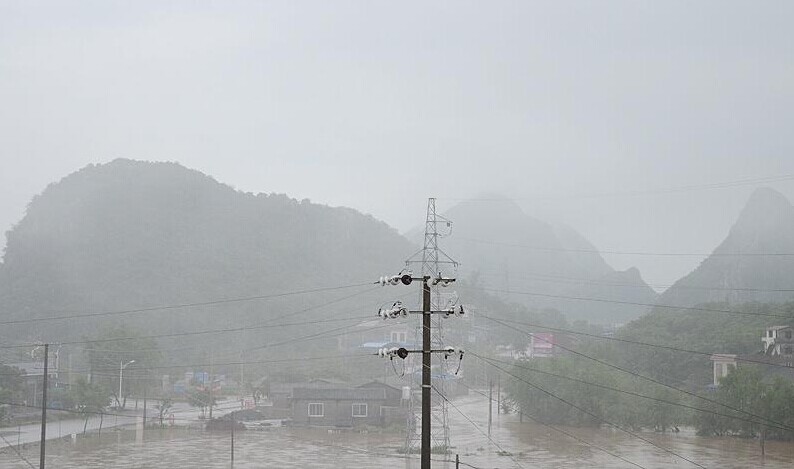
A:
x,y
547,265
753,263
133,234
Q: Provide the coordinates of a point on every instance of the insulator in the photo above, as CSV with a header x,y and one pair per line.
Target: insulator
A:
x,y
394,280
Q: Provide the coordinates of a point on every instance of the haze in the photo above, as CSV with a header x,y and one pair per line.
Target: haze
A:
x,y
378,105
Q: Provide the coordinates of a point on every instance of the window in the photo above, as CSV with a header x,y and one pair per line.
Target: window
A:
x,y
316,410
359,410
788,334
398,336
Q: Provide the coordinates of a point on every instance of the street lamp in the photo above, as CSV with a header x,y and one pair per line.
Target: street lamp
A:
x,y
122,365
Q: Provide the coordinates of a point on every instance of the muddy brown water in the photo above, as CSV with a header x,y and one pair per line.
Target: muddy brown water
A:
x,y
519,445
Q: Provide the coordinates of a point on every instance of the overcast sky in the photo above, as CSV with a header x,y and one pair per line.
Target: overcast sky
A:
x,y
378,105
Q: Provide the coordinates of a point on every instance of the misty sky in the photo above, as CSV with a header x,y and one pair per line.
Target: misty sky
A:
x,y
378,105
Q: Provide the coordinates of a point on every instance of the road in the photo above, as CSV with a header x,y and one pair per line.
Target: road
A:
x,y
31,433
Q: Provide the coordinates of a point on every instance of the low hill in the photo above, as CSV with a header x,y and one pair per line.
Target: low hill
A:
x,y
131,234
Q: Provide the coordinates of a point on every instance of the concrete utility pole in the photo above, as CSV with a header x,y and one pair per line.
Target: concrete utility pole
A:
x,y
44,408
398,310
426,376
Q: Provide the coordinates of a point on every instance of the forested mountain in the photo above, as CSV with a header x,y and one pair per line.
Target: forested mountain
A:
x,y
132,234
506,249
753,264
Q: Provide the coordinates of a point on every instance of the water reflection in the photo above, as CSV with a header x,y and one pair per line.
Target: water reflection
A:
x,y
528,444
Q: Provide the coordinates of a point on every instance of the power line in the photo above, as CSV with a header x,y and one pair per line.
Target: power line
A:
x,y
259,325
586,281
581,409
477,426
633,342
16,450
98,371
179,306
635,303
668,190
563,432
648,378
623,391
211,331
630,253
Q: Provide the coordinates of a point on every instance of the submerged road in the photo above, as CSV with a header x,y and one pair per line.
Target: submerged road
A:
x,y
184,414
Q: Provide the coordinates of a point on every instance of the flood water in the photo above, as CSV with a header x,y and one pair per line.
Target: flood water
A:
x,y
523,444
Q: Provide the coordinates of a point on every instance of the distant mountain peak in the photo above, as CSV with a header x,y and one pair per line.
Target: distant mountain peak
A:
x,y
765,210
765,226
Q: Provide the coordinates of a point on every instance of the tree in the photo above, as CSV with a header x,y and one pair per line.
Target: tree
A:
x,y
11,385
748,389
88,399
162,408
201,398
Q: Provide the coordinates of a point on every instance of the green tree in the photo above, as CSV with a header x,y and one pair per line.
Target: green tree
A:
x,y
88,399
201,398
747,388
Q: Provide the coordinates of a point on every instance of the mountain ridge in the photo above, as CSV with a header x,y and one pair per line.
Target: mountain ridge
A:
x,y
751,257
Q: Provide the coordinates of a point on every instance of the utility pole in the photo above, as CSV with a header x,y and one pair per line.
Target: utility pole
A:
x,y
212,359
432,261
498,394
145,388
397,311
426,376
233,424
44,408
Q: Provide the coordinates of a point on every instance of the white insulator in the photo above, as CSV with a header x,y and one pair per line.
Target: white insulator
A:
x,y
394,280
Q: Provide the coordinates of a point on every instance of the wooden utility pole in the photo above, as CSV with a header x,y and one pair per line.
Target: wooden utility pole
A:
x,y
426,376
44,408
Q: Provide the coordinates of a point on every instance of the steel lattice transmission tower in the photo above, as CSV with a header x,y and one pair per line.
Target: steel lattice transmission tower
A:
x,y
433,261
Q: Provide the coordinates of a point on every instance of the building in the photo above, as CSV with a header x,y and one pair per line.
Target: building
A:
x,y
722,363
778,341
370,335
347,406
